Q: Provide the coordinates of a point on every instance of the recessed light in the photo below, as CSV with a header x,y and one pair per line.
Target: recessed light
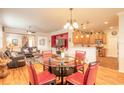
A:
x,y
84,27
111,27
82,36
106,22
76,37
87,35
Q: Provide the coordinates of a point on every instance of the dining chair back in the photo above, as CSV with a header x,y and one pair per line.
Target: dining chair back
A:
x,y
79,59
80,55
32,74
90,74
46,56
42,78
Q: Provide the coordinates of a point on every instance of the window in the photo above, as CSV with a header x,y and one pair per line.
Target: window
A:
x,y
31,41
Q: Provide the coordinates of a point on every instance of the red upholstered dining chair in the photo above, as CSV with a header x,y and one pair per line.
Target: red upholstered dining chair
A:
x,y
42,78
88,78
46,55
79,59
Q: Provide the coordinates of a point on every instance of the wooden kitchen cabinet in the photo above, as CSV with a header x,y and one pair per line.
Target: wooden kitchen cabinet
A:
x,y
104,38
102,52
79,38
92,39
87,39
82,39
76,38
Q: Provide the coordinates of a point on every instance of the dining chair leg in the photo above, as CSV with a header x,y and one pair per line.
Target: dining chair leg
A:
x,y
66,83
54,82
82,69
29,83
58,78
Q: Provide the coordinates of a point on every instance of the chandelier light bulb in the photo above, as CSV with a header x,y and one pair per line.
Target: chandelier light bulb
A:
x,y
70,27
71,24
65,26
68,24
75,25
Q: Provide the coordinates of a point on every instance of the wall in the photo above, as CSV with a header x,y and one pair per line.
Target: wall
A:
x,y
112,44
17,34
11,37
44,36
121,42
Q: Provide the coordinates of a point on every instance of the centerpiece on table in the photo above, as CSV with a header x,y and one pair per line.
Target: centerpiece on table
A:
x,y
62,55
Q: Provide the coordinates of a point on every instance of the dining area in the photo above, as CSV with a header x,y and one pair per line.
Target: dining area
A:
x,y
45,47
62,69
61,56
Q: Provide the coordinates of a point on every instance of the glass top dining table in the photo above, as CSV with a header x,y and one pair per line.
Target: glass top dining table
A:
x,y
58,61
61,66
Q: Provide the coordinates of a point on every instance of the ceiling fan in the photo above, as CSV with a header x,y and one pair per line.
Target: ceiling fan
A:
x,y
29,31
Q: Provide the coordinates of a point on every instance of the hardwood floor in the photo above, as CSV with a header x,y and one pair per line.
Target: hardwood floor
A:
x,y
105,76
109,62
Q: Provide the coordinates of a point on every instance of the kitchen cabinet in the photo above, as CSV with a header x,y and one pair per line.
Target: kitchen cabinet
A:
x,y
86,39
92,39
104,38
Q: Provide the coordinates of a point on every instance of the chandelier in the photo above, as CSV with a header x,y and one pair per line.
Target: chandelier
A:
x,y
71,24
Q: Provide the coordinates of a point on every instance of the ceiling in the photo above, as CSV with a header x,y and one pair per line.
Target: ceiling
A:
x,y
52,19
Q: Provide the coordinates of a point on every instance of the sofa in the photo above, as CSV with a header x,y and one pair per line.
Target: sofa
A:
x,y
17,59
30,52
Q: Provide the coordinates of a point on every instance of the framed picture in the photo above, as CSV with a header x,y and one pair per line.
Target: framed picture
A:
x,y
15,42
42,42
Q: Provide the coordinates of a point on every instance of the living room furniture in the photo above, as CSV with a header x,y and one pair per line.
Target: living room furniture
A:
x,y
3,70
42,78
30,52
89,78
17,59
27,52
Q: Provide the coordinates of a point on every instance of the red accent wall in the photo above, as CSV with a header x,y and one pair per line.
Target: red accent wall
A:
x,y
54,37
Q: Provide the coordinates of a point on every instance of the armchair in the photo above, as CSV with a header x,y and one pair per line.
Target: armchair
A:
x,y
17,59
